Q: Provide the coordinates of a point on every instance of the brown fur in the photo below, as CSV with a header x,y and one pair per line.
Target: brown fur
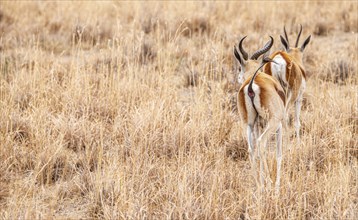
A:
x,y
267,69
241,104
303,71
268,86
281,93
294,78
294,72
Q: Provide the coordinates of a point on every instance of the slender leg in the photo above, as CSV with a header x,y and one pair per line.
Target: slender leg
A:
x,y
272,125
287,108
250,136
264,170
259,153
256,130
288,99
256,136
278,157
298,104
261,158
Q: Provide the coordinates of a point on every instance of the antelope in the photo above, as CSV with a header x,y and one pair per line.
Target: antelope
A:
x,y
288,69
261,101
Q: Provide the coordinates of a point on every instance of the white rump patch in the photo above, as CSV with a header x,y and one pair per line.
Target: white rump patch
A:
x,y
251,113
279,70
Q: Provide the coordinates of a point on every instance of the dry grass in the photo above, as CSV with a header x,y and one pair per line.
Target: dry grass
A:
x,y
120,110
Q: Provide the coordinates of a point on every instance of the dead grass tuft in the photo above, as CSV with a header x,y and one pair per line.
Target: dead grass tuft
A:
x,y
259,24
5,183
74,140
349,20
147,52
231,88
5,21
323,29
19,129
339,72
237,150
53,169
151,24
55,27
307,102
191,79
23,100
194,26
91,35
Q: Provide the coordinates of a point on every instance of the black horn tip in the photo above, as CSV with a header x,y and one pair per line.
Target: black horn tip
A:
x,y
270,42
271,38
243,52
300,28
299,35
242,39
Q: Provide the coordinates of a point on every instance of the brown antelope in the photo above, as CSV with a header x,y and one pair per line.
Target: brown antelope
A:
x,y
288,69
261,101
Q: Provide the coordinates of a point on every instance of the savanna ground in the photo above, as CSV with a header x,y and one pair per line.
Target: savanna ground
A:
x,y
126,110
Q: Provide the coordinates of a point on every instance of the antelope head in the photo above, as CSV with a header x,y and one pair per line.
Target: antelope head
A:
x,y
296,52
249,65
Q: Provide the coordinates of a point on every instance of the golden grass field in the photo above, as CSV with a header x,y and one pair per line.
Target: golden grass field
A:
x,y
127,110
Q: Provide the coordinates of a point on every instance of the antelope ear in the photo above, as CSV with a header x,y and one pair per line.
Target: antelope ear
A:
x,y
305,43
238,57
284,43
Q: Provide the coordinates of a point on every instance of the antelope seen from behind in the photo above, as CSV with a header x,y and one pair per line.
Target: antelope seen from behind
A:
x,y
261,103
289,70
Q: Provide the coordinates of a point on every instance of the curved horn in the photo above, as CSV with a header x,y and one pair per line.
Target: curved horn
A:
x,y
284,30
243,52
298,37
266,48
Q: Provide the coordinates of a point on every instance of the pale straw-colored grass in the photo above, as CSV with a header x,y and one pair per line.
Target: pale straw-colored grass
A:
x,y
125,110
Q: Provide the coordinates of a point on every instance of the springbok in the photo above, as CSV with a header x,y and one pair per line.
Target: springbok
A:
x,y
261,103
289,70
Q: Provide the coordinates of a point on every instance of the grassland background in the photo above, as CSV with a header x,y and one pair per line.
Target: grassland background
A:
x,y
126,110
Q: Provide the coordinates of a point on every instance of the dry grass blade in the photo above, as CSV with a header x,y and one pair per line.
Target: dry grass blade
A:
x,y
127,110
